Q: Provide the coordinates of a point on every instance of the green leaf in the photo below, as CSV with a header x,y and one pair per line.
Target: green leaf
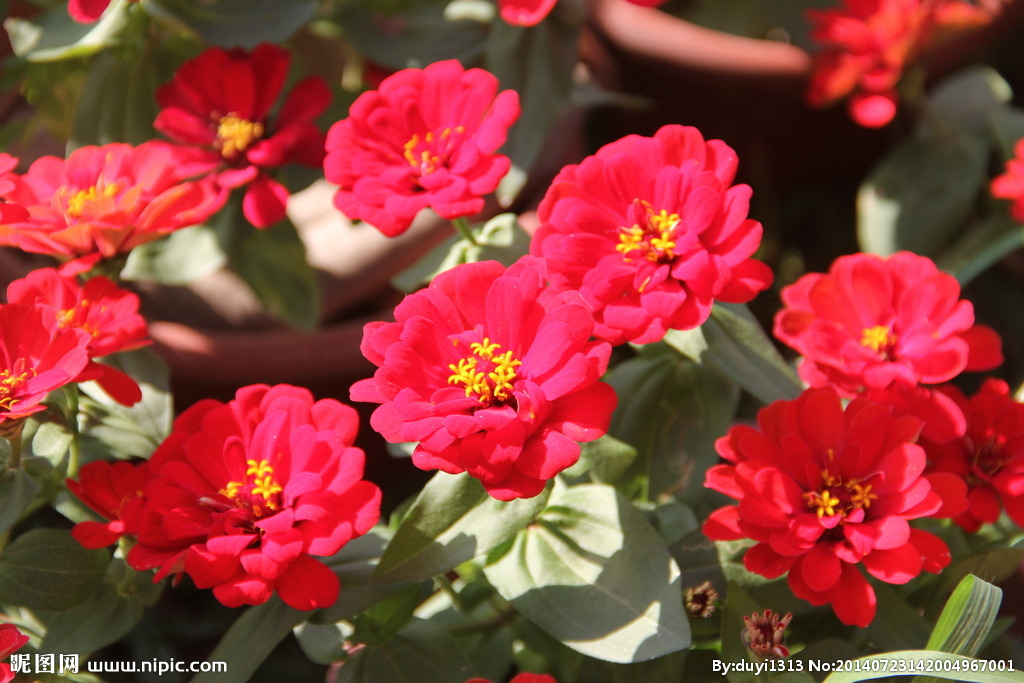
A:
x,y
499,239
422,652
605,460
111,429
1007,127
966,619
354,564
942,665
46,569
17,491
594,574
250,639
230,23
55,35
537,62
981,246
732,343
671,410
323,643
48,440
380,623
452,520
920,194
897,624
272,261
967,99
104,618
996,564
425,35
178,259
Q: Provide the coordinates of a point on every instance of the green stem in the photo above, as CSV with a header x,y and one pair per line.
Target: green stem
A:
x,y
462,225
443,582
75,449
14,461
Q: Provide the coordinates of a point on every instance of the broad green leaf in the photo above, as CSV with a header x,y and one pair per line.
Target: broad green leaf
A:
x,y
48,440
942,665
738,604
422,652
272,261
230,23
671,410
983,245
537,62
605,460
996,564
425,36
17,491
354,564
116,103
380,623
499,239
250,639
920,194
111,429
104,618
967,617
967,99
732,343
452,520
593,573
46,569
178,259
323,643
1007,125
897,624
55,35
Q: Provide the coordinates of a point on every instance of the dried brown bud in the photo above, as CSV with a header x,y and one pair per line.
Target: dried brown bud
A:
x,y
700,600
766,635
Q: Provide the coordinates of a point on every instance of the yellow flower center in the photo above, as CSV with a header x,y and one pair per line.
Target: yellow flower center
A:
x,y
11,380
878,338
75,317
652,238
427,153
80,201
836,497
258,491
485,374
235,135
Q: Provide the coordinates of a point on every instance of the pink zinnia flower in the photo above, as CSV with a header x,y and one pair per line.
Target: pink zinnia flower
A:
x,y
115,492
38,356
989,456
104,201
221,101
532,12
493,374
1010,185
425,138
11,640
244,495
109,315
651,231
866,44
88,11
822,490
871,321
521,678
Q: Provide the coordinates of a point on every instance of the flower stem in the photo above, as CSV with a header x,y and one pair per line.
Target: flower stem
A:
x,y
462,225
14,461
75,450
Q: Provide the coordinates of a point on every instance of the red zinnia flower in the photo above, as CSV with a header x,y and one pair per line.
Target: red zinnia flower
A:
x,y
521,678
88,11
221,100
244,494
821,490
1010,185
11,639
104,201
110,315
425,138
532,12
871,321
989,456
38,356
651,232
866,45
493,373
115,492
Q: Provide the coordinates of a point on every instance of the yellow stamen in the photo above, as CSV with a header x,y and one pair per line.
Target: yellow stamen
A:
x,y
423,154
877,338
235,135
80,200
9,383
653,241
262,484
486,384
